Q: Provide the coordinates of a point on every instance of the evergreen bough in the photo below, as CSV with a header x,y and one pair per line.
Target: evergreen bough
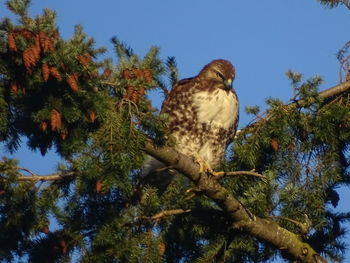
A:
x,y
97,116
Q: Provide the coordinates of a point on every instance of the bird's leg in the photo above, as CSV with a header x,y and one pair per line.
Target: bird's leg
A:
x,y
204,166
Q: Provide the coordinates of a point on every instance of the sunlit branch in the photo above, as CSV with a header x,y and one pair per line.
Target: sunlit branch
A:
x,y
50,177
328,93
168,213
235,173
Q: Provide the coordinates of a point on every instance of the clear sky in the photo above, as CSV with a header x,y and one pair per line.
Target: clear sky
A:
x,y
263,39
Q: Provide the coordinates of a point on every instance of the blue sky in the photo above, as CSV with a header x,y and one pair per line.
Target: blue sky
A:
x,y
263,39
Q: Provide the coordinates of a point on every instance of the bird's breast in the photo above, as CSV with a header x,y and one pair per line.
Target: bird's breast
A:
x,y
218,108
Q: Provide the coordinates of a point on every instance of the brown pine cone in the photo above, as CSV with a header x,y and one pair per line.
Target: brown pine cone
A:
x,y
72,82
54,72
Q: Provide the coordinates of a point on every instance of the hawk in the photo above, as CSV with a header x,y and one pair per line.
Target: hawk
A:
x,y
203,117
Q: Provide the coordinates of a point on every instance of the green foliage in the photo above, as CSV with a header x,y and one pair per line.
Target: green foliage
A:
x,y
98,121
172,70
18,7
60,76
303,151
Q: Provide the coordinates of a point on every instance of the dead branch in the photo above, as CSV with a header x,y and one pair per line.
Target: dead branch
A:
x,y
168,213
235,173
50,177
26,170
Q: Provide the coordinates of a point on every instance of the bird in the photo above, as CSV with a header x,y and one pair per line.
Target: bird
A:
x,y
203,113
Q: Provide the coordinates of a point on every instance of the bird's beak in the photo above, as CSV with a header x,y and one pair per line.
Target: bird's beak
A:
x,y
228,83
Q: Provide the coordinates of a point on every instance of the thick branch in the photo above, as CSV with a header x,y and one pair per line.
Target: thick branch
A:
x,y
264,229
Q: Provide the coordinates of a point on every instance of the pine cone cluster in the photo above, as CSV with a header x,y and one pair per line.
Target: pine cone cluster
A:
x,y
47,71
137,73
31,55
33,48
55,124
84,59
41,42
46,43
133,93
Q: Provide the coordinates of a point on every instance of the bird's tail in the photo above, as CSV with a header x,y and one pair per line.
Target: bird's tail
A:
x,y
156,174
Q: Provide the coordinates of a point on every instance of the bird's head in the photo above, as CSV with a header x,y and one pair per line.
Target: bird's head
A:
x,y
221,72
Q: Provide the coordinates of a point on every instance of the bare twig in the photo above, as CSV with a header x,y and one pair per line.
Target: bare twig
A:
x,y
344,65
168,213
26,170
234,173
49,177
304,226
163,169
109,83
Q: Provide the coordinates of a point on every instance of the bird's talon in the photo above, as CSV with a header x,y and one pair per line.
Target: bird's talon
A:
x,y
203,164
218,174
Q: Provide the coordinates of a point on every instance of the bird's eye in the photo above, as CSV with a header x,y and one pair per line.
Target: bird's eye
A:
x,y
220,75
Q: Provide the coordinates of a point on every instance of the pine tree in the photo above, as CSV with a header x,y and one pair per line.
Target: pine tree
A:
x,y
277,196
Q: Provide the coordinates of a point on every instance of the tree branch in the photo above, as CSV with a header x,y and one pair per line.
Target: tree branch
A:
x,y
168,213
26,170
328,93
264,229
50,177
331,92
234,173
